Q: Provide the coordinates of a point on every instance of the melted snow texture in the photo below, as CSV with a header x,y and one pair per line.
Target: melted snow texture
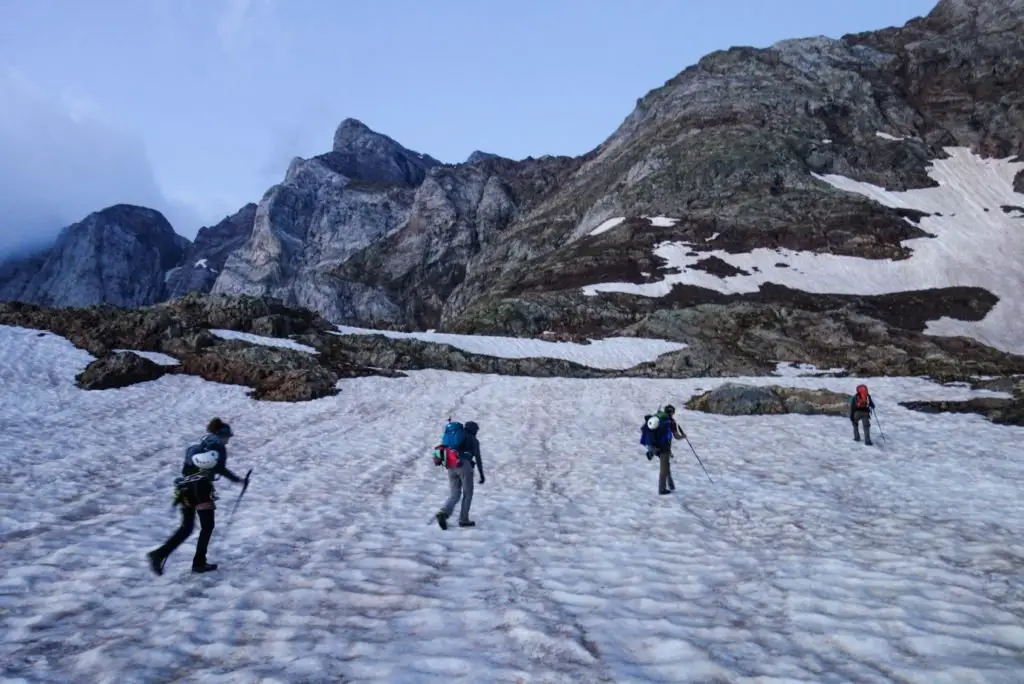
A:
x,y
611,353
811,559
977,244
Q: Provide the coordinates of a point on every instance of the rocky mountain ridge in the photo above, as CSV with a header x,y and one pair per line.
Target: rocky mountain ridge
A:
x,y
728,157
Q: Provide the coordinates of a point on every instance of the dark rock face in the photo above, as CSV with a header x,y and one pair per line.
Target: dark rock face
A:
x,y
116,256
118,369
747,400
204,259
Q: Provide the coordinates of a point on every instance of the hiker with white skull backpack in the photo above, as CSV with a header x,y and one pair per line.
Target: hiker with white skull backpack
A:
x,y
195,494
459,453
656,434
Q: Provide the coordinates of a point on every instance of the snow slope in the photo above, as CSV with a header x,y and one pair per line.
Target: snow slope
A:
x,y
811,558
616,353
978,243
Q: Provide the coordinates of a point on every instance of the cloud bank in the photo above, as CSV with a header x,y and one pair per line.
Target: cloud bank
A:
x,y
60,160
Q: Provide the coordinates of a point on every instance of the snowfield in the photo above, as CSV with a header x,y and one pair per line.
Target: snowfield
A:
x,y
811,559
979,241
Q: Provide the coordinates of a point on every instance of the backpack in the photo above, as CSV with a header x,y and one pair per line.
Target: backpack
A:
x,y
862,400
448,451
656,431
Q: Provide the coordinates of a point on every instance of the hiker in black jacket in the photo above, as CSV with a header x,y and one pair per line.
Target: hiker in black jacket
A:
x,y
861,405
196,495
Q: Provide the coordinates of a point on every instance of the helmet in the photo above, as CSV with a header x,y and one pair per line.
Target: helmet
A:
x,y
653,423
205,460
670,409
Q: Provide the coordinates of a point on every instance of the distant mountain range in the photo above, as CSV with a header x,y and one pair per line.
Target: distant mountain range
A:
x,y
737,169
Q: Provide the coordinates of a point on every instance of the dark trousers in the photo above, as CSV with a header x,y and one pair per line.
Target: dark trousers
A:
x,y
188,523
665,482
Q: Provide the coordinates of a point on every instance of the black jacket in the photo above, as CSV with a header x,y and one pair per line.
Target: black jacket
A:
x,y
471,446
854,409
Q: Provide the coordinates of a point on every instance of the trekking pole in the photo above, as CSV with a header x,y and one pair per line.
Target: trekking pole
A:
x,y
698,460
881,433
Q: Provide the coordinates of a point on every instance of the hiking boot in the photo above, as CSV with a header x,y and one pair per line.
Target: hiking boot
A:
x,y
442,519
856,438
868,442
205,567
156,562
467,523
664,491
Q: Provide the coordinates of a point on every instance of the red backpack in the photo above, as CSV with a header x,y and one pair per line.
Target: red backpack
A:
x,y
862,400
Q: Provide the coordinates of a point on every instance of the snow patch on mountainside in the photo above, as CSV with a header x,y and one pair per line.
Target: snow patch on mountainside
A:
x,y
608,225
977,243
612,353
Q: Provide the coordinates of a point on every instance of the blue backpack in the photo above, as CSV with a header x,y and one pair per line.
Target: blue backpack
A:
x,y
655,438
447,452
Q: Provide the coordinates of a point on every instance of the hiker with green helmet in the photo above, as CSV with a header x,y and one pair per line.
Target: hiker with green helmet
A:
x,y
656,435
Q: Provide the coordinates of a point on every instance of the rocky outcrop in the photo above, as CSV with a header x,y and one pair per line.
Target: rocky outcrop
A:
x,y
115,256
377,351
118,369
273,373
748,400
204,259
181,329
998,410
163,327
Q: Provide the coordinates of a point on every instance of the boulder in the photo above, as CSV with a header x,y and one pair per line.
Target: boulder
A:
x,y
733,399
118,369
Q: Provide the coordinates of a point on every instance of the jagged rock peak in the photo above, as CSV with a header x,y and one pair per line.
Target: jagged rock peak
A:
x,y
361,153
478,156
137,219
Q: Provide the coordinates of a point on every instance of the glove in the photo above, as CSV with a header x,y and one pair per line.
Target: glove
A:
x,y
650,454
482,479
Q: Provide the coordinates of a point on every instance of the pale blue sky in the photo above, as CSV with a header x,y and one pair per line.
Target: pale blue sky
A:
x,y
196,106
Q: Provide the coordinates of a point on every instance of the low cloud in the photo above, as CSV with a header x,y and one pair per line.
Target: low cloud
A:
x,y
62,159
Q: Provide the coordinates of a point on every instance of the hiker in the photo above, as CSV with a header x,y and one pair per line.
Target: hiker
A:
x,y
195,495
459,452
657,437
861,405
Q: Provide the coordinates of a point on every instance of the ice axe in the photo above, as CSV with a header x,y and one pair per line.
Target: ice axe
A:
x,y
231,515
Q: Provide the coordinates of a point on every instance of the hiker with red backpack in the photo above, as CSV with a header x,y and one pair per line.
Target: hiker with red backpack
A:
x,y
459,453
861,405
